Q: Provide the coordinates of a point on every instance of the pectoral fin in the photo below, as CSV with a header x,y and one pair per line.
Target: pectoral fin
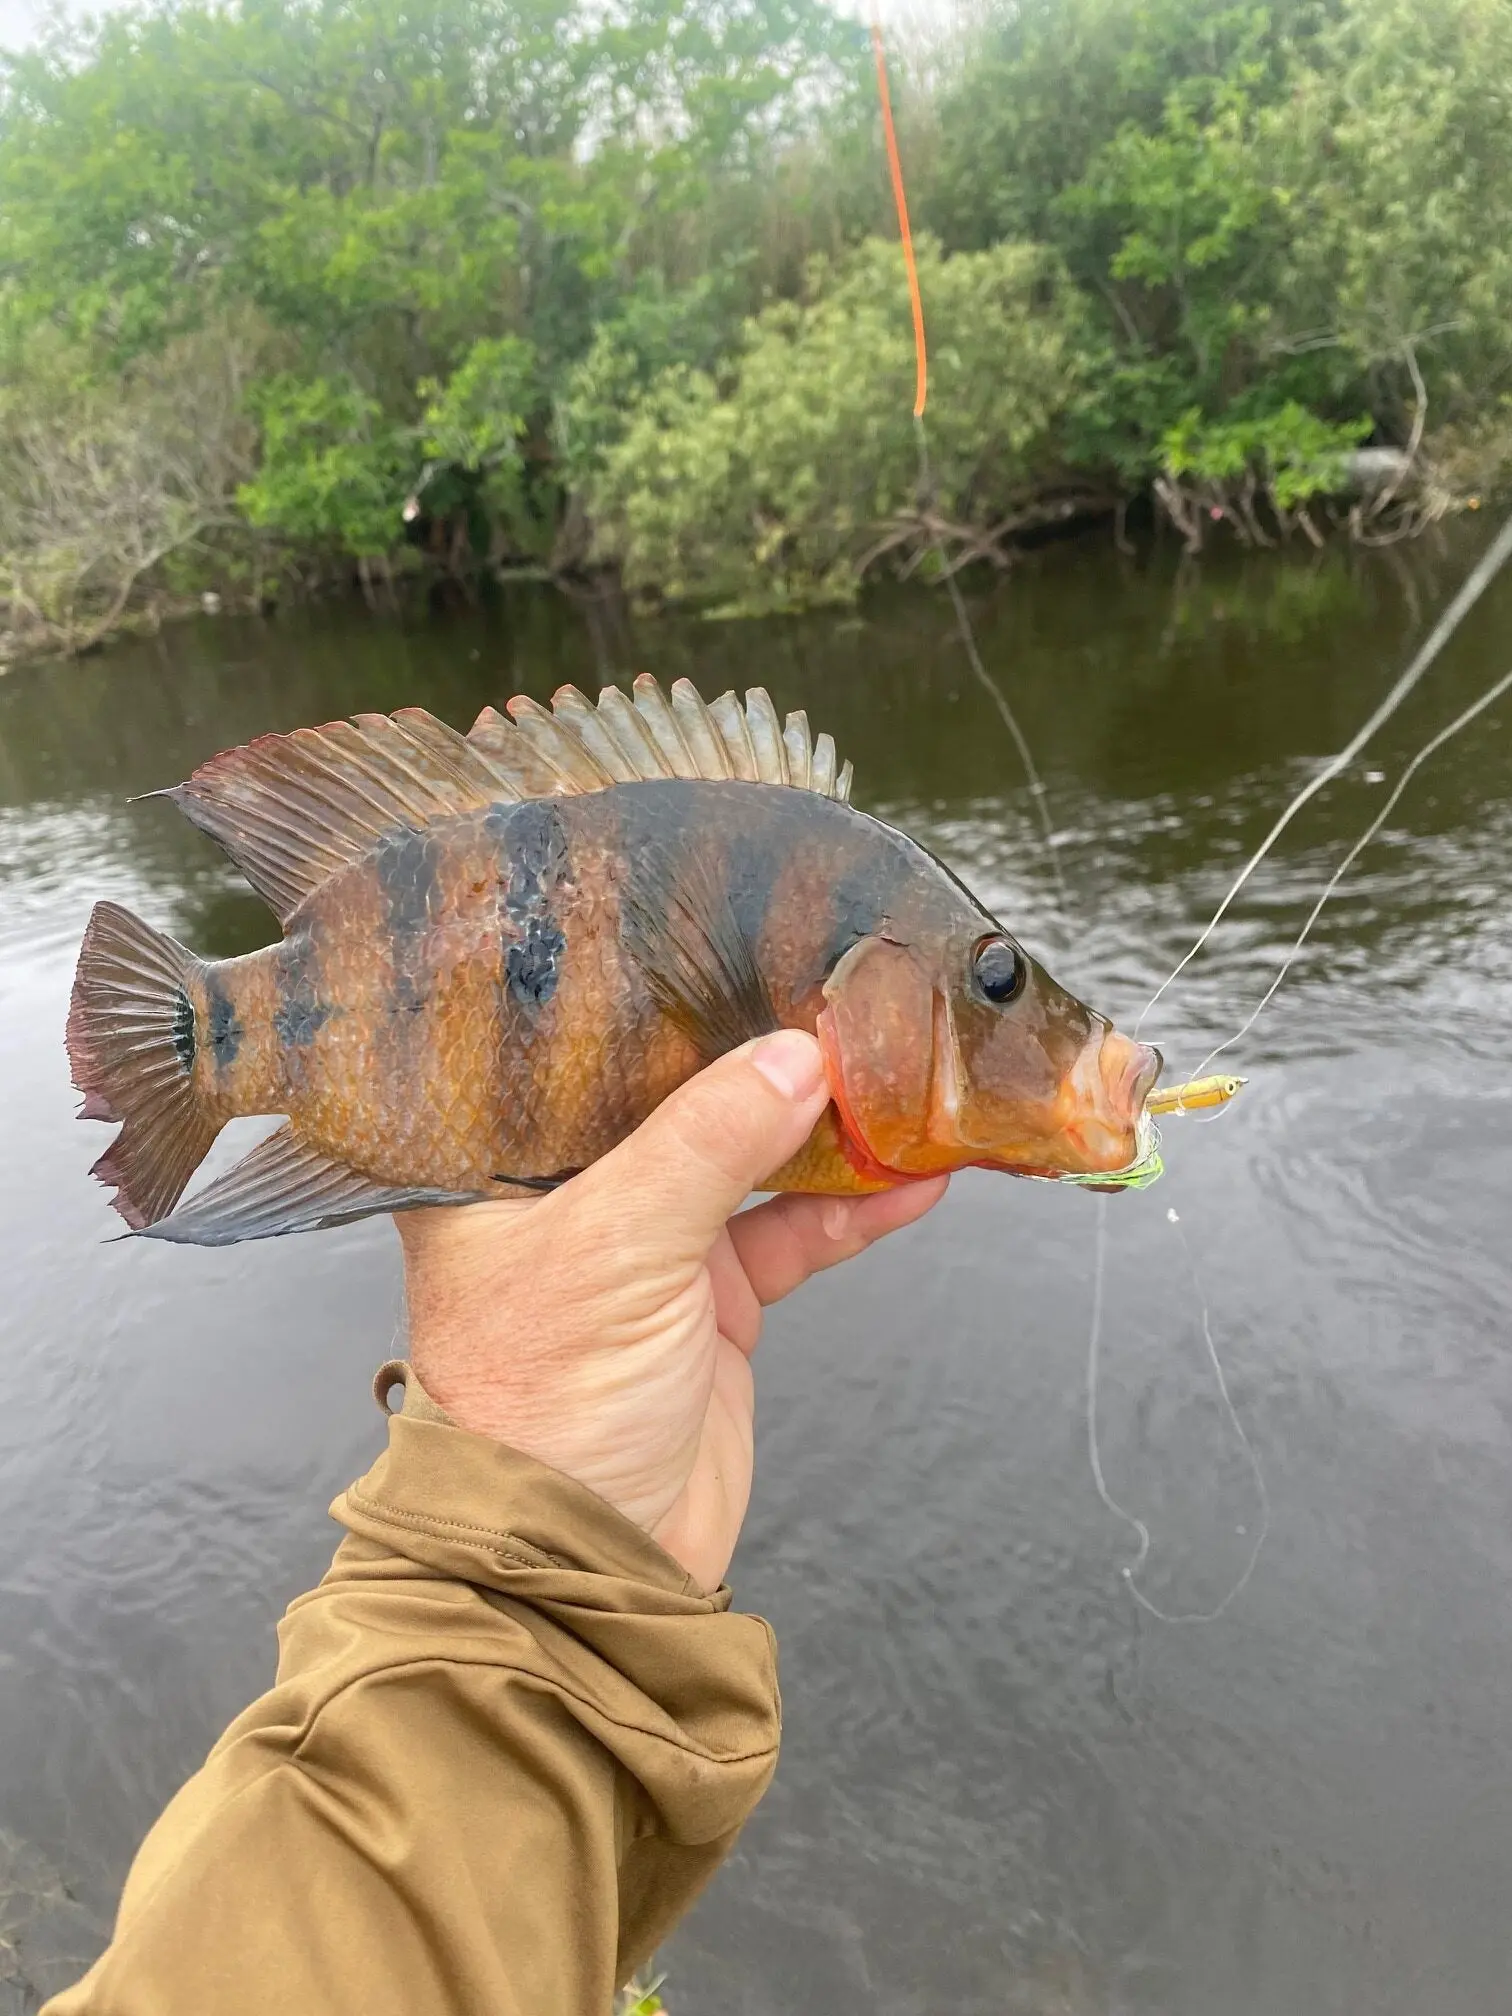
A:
x,y
677,923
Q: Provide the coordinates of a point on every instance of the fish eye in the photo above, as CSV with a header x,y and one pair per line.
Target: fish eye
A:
x,y
998,969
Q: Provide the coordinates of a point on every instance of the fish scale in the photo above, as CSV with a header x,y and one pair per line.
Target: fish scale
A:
x,y
502,951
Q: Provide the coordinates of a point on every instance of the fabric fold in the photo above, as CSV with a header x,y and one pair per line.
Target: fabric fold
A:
x,y
508,1742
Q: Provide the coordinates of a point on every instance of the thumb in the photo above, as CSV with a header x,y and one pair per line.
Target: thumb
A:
x,y
707,1146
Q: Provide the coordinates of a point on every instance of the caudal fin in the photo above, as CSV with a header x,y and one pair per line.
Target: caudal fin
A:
x,y
131,1045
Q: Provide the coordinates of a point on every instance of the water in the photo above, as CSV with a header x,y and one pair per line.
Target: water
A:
x,y
1002,1788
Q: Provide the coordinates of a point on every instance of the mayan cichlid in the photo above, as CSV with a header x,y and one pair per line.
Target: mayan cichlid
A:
x,y
501,951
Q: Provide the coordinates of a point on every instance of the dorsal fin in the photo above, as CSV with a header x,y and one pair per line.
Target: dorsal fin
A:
x,y
579,747
292,810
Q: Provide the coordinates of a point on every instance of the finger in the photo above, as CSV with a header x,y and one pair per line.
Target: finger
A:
x,y
701,1153
781,1244
737,1312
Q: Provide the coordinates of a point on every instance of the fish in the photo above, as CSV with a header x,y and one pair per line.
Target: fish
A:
x,y
502,950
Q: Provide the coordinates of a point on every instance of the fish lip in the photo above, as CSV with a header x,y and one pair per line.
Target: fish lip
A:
x,y
1140,1076
1110,1081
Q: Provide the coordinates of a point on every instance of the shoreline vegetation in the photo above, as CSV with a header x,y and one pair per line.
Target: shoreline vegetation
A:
x,y
407,296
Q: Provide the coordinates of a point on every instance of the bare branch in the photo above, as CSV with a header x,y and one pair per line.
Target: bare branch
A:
x,y
1387,495
98,489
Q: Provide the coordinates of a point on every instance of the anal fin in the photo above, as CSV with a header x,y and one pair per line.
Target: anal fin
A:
x,y
283,1186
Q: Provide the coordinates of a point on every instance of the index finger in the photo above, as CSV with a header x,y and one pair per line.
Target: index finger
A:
x,y
780,1244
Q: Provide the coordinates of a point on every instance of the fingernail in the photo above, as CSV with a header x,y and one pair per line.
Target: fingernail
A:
x,y
790,1061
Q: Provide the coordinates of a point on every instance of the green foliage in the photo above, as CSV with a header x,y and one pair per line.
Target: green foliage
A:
x,y
473,426
655,330
434,205
477,418
333,468
107,488
1392,154
620,282
767,485
1293,454
1287,210
1052,83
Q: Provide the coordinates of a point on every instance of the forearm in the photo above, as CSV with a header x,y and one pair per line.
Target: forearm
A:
x,y
508,1743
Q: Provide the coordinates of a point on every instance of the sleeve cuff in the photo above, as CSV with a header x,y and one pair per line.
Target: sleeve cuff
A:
x,y
667,1662
474,1508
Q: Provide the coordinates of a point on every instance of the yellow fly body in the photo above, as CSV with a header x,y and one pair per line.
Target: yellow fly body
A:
x,y
1192,1098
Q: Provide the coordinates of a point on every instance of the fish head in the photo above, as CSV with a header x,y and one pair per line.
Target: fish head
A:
x,y
961,1050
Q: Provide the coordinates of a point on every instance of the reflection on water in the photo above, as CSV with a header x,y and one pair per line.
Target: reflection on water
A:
x,y
1002,1788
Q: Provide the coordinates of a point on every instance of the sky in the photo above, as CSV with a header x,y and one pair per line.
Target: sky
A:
x,y
20,19
17,20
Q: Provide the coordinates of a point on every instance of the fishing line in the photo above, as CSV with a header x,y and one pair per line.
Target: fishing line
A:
x,y
1477,582
1470,593
985,679
905,233
1135,1525
928,494
1429,748
928,499
929,503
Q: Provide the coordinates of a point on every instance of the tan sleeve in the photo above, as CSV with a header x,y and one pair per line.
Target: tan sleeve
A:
x,y
508,1743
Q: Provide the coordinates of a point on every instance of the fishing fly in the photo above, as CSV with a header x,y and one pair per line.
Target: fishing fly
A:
x,y
1193,1097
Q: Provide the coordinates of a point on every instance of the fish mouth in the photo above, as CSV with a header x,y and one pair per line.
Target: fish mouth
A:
x,y
1111,1132
1103,1135
1134,1075
1095,1128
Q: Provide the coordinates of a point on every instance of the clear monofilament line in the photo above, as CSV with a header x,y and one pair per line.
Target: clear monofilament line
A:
x,y
989,685
1135,1525
1094,1349
926,473
1429,748
1480,578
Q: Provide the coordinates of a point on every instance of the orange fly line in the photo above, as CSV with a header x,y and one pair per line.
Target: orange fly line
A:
x,y
926,477
900,199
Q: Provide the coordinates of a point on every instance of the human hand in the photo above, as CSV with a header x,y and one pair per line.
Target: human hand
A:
x,y
606,1328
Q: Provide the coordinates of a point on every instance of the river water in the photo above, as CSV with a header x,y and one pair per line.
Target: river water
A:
x,y
1003,1787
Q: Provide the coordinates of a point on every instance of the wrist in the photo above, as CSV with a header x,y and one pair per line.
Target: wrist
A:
x,y
475,1398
